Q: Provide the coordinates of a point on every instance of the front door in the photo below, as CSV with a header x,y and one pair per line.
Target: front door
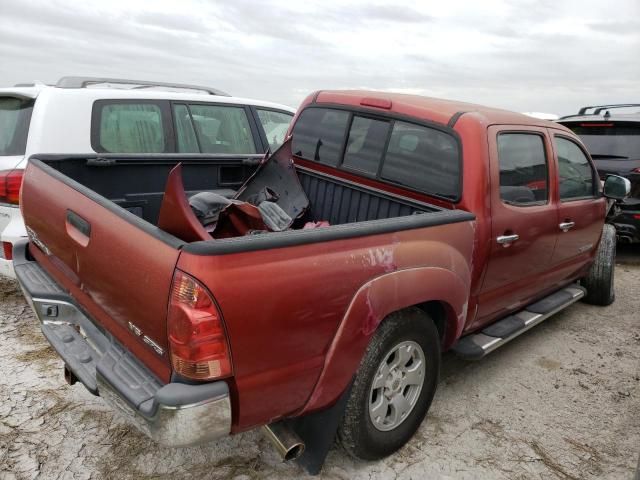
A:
x,y
582,207
523,219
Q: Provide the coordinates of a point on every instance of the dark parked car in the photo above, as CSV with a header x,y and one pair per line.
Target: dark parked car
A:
x,y
612,135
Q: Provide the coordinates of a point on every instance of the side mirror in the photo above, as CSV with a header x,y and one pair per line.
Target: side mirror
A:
x,y
616,187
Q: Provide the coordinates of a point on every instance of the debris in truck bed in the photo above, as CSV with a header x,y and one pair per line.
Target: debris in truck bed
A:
x,y
276,180
271,200
320,224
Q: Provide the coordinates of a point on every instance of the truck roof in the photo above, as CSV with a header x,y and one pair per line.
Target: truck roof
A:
x,y
428,108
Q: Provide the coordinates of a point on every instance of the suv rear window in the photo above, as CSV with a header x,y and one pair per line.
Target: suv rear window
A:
x,y
418,157
15,115
130,128
610,139
275,125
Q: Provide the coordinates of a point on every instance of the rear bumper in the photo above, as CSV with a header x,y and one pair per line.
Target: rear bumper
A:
x,y
174,414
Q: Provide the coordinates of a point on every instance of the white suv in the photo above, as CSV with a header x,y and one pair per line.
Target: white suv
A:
x,y
104,115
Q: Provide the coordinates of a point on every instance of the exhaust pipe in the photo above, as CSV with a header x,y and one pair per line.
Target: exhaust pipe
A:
x,y
287,443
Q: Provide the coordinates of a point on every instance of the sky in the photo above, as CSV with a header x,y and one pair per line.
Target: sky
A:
x,y
530,55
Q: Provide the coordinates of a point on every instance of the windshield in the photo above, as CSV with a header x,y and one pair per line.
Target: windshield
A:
x,y
15,114
614,139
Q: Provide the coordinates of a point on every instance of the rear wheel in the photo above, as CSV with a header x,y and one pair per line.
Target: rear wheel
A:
x,y
394,386
599,281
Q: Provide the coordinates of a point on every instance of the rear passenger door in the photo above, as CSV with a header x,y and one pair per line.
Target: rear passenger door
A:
x,y
523,218
581,209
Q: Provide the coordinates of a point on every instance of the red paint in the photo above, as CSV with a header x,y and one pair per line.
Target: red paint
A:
x,y
298,319
122,274
176,216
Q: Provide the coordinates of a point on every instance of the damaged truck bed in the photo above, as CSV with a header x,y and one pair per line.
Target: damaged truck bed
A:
x,y
316,298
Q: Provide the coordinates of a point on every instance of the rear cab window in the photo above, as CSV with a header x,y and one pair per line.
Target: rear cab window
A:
x,y
319,135
393,151
15,116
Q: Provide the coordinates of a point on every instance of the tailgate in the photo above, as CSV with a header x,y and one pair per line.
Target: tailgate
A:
x,y
116,266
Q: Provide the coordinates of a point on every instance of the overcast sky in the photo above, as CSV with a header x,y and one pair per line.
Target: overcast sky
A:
x,y
539,55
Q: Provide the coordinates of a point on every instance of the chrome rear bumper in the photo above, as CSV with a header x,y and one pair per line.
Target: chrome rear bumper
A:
x,y
173,414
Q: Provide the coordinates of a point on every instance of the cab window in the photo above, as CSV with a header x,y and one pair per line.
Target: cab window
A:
x,y
523,169
576,176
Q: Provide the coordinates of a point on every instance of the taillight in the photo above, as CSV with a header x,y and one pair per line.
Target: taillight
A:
x,y
636,170
7,249
197,339
10,184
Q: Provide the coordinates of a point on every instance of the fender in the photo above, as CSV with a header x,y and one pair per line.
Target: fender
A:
x,y
371,304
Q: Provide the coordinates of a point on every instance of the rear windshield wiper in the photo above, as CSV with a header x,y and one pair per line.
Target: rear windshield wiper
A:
x,y
608,155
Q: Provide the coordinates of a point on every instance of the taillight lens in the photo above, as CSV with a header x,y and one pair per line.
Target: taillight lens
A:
x,y
10,184
7,250
197,339
636,170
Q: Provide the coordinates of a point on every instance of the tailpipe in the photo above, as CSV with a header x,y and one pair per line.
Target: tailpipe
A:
x,y
287,443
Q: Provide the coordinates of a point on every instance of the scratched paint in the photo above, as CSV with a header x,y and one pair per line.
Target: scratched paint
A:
x,y
382,257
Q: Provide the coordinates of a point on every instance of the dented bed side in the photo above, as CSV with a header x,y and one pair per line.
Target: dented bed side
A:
x,y
306,310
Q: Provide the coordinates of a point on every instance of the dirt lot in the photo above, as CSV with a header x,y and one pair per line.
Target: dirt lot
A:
x,y
562,401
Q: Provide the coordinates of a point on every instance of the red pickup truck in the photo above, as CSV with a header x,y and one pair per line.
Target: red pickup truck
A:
x,y
438,225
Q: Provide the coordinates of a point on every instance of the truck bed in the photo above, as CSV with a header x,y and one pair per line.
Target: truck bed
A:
x,y
93,228
137,184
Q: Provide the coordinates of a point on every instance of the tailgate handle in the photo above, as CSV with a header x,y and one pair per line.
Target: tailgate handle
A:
x,y
78,228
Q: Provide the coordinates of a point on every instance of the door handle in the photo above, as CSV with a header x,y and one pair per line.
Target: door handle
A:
x,y
566,226
78,228
507,239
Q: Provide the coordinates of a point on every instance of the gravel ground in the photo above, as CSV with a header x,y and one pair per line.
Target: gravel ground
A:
x,y
562,401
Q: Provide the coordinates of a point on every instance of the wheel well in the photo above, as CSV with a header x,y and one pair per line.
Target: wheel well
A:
x,y
437,311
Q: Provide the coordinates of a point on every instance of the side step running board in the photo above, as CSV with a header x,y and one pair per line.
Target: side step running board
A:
x,y
477,345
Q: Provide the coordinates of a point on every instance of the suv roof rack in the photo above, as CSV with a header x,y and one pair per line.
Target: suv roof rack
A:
x,y
83,82
36,83
599,108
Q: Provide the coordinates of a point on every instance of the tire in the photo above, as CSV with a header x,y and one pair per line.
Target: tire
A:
x,y
599,282
409,328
